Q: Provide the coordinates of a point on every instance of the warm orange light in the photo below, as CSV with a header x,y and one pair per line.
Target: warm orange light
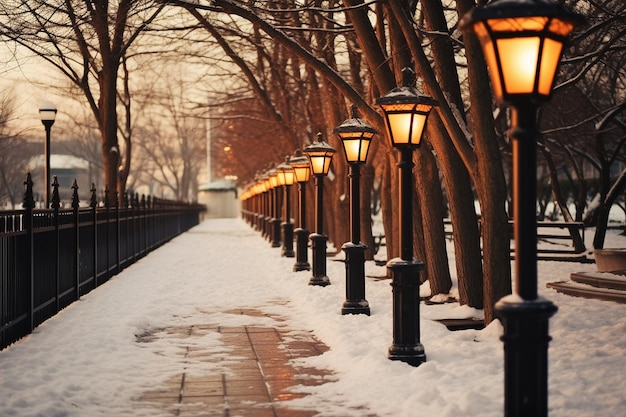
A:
x,y
320,156
356,136
522,43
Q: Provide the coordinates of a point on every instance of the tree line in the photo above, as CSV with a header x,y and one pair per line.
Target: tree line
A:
x,y
267,76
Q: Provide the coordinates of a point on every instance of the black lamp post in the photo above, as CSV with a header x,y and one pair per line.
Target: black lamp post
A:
x,y
275,208
356,135
405,112
286,178
266,206
302,172
522,42
320,155
258,204
47,113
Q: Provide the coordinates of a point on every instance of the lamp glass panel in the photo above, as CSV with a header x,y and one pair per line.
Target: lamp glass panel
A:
x,y
281,177
518,57
302,173
549,62
356,149
289,176
517,24
560,27
406,128
274,181
365,145
319,164
490,58
47,114
327,160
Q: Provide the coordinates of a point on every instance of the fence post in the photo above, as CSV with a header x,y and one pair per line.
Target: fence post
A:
x,y
56,204
75,206
116,205
149,214
128,231
144,224
137,226
107,233
133,211
93,203
28,203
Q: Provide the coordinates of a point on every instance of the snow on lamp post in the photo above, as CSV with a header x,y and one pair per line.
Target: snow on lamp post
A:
x,y
355,135
522,41
405,113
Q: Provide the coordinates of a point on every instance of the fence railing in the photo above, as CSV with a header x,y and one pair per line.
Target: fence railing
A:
x,y
49,258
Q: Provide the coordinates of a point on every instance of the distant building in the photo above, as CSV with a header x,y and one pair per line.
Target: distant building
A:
x,y
66,168
221,199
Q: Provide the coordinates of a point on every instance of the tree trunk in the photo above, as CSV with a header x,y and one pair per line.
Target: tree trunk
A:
x,y
435,255
456,178
489,177
577,240
107,105
603,210
367,184
389,204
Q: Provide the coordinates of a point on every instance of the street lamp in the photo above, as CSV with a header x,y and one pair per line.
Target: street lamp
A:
x,y
286,178
356,135
320,155
47,113
265,204
260,204
405,112
275,208
522,41
302,171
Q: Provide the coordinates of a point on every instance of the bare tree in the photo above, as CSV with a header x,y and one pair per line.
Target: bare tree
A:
x,y
15,152
86,42
170,142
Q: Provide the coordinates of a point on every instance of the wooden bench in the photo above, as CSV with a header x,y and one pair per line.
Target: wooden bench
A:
x,y
547,231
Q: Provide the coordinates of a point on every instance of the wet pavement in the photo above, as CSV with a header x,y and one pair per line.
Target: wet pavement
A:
x,y
255,384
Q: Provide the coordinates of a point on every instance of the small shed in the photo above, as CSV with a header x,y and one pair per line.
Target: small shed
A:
x,y
220,198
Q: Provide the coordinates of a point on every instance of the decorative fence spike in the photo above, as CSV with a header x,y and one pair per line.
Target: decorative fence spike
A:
x,y
75,200
28,202
56,200
93,202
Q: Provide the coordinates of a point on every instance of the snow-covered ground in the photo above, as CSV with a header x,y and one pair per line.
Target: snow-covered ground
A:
x,y
86,361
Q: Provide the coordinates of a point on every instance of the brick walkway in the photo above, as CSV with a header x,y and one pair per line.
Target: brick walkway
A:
x,y
252,386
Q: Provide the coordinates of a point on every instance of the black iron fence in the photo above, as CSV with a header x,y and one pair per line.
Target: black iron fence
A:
x,y
50,257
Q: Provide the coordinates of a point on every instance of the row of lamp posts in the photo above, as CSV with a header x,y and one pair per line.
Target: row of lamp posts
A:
x,y
405,112
522,42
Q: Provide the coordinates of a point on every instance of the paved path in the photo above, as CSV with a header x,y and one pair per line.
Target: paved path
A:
x,y
252,386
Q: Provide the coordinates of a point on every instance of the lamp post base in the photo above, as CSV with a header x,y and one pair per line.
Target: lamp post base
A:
x,y
525,354
275,232
355,302
318,244
288,240
302,255
406,346
413,355
355,307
